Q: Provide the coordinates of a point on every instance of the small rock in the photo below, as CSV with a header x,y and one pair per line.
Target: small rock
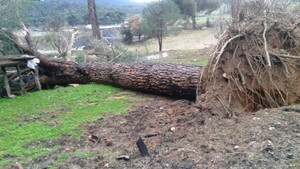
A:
x,y
173,129
106,165
271,128
236,147
169,112
270,144
93,138
124,157
161,108
109,143
73,85
290,156
12,96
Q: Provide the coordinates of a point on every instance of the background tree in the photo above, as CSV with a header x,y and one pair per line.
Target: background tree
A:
x,y
128,36
94,19
158,19
12,13
135,23
207,6
188,8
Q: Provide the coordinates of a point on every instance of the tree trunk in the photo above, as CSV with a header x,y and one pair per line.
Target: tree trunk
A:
x,y
164,79
94,19
140,37
159,44
194,22
160,37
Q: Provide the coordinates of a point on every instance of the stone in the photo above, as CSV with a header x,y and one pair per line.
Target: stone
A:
x,y
124,157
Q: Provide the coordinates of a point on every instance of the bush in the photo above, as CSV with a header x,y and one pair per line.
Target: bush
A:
x,y
79,57
128,36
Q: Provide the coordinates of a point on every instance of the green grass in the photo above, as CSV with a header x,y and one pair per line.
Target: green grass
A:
x,y
28,118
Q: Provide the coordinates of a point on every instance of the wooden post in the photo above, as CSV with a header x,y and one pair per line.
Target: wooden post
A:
x,y
21,80
7,87
36,77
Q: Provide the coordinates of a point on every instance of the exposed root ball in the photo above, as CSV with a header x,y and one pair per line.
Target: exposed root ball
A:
x,y
256,63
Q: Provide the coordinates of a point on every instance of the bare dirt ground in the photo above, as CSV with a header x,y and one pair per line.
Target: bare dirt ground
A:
x,y
266,139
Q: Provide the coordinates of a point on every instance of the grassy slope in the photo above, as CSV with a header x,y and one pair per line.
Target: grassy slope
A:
x,y
186,48
49,114
182,41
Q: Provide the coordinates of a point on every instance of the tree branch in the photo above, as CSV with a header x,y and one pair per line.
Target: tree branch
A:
x,y
223,48
266,45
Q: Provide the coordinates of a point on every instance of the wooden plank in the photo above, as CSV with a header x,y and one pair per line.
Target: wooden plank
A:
x,y
7,87
37,80
21,80
10,63
17,57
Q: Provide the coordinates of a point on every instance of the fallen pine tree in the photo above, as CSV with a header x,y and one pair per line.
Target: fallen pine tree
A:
x,y
256,65
165,79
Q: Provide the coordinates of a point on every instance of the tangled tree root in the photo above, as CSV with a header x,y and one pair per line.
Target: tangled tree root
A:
x,y
256,63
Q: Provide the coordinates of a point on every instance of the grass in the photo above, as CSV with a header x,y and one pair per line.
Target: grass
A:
x,y
28,118
186,40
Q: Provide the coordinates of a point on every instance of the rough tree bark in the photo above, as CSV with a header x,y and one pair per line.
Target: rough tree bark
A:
x,y
166,79
94,19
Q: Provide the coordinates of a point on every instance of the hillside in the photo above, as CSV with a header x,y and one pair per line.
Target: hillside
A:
x,y
112,3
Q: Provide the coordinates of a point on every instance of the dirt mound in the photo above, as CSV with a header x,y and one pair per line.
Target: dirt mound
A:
x,y
256,63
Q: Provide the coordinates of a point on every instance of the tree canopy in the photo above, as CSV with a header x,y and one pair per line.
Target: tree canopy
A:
x,y
208,5
158,19
188,8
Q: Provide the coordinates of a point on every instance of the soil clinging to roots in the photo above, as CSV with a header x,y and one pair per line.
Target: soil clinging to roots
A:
x,y
256,63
